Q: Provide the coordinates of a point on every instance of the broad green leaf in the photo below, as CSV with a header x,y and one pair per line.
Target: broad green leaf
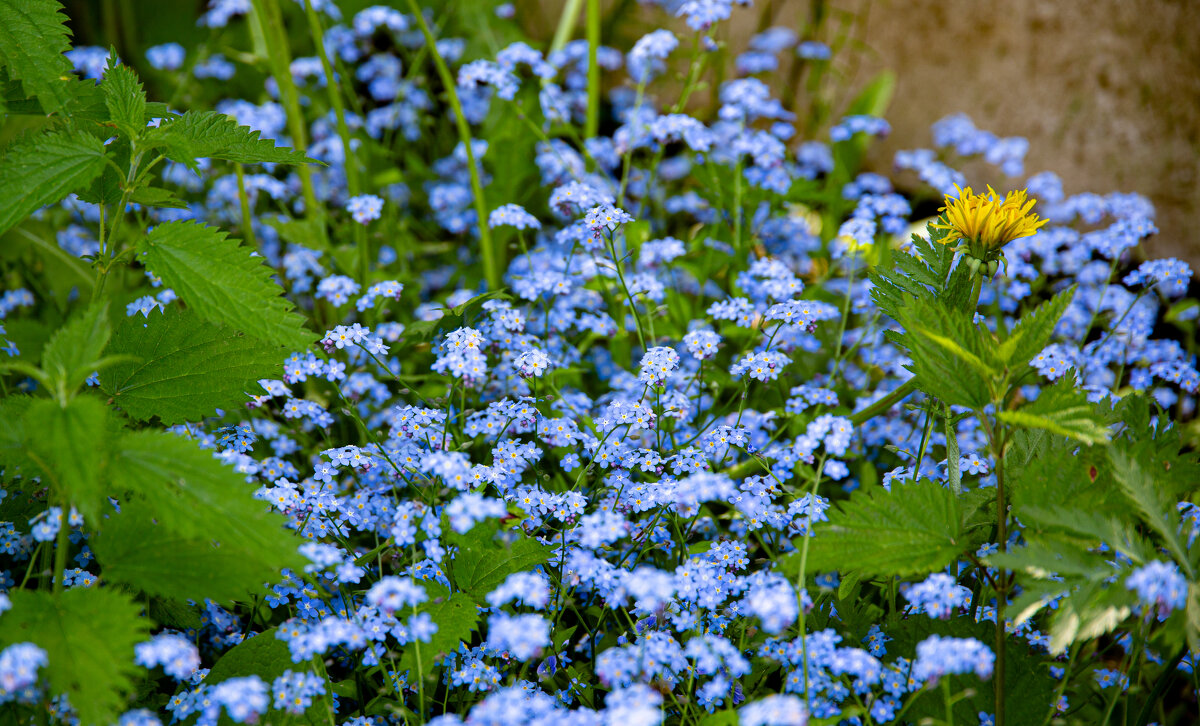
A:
x,y
307,232
456,617
267,657
1061,409
193,498
157,197
1046,470
1087,529
483,563
950,354
69,445
71,354
12,433
188,368
88,635
914,529
33,38
223,282
213,135
1042,560
125,99
1033,331
136,551
41,169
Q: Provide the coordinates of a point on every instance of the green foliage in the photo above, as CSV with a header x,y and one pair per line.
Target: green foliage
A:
x,y
187,368
33,38
88,635
456,617
188,520
42,169
949,352
73,353
69,445
267,657
1030,692
1033,331
213,135
125,100
1061,409
483,563
1072,503
914,529
223,282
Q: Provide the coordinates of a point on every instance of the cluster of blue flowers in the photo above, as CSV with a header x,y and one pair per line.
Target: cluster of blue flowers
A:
x,y
662,402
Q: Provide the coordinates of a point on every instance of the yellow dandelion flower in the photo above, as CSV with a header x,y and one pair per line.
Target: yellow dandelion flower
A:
x,y
986,222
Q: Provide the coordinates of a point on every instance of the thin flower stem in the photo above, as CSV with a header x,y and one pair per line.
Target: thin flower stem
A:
x,y
244,199
592,124
349,164
270,21
566,24
488,254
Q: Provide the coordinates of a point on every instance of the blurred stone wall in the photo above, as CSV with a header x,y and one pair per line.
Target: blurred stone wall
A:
x,y
1106,91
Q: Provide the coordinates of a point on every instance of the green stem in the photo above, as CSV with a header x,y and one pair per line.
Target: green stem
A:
x,y
270,20
592,127
247,217
61,545
349,165
1160,687
491,266
1062,687
884,404
946,697
566,23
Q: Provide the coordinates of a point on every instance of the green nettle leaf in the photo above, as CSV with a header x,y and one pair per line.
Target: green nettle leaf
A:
x,y
33,38
1061,409
42,169
1033,331
184,509
1091,611
914,529
12,433
1142,491
223,282
482,562
456,617
69,447
213,135
71,354
157,197
950,353
148,557
125,99
88,635
187,369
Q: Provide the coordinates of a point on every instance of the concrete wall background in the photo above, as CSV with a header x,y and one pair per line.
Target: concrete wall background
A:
x,y
1106,91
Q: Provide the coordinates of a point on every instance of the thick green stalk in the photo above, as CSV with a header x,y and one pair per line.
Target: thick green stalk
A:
x,y
270,21
491,266
592,128
350,165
